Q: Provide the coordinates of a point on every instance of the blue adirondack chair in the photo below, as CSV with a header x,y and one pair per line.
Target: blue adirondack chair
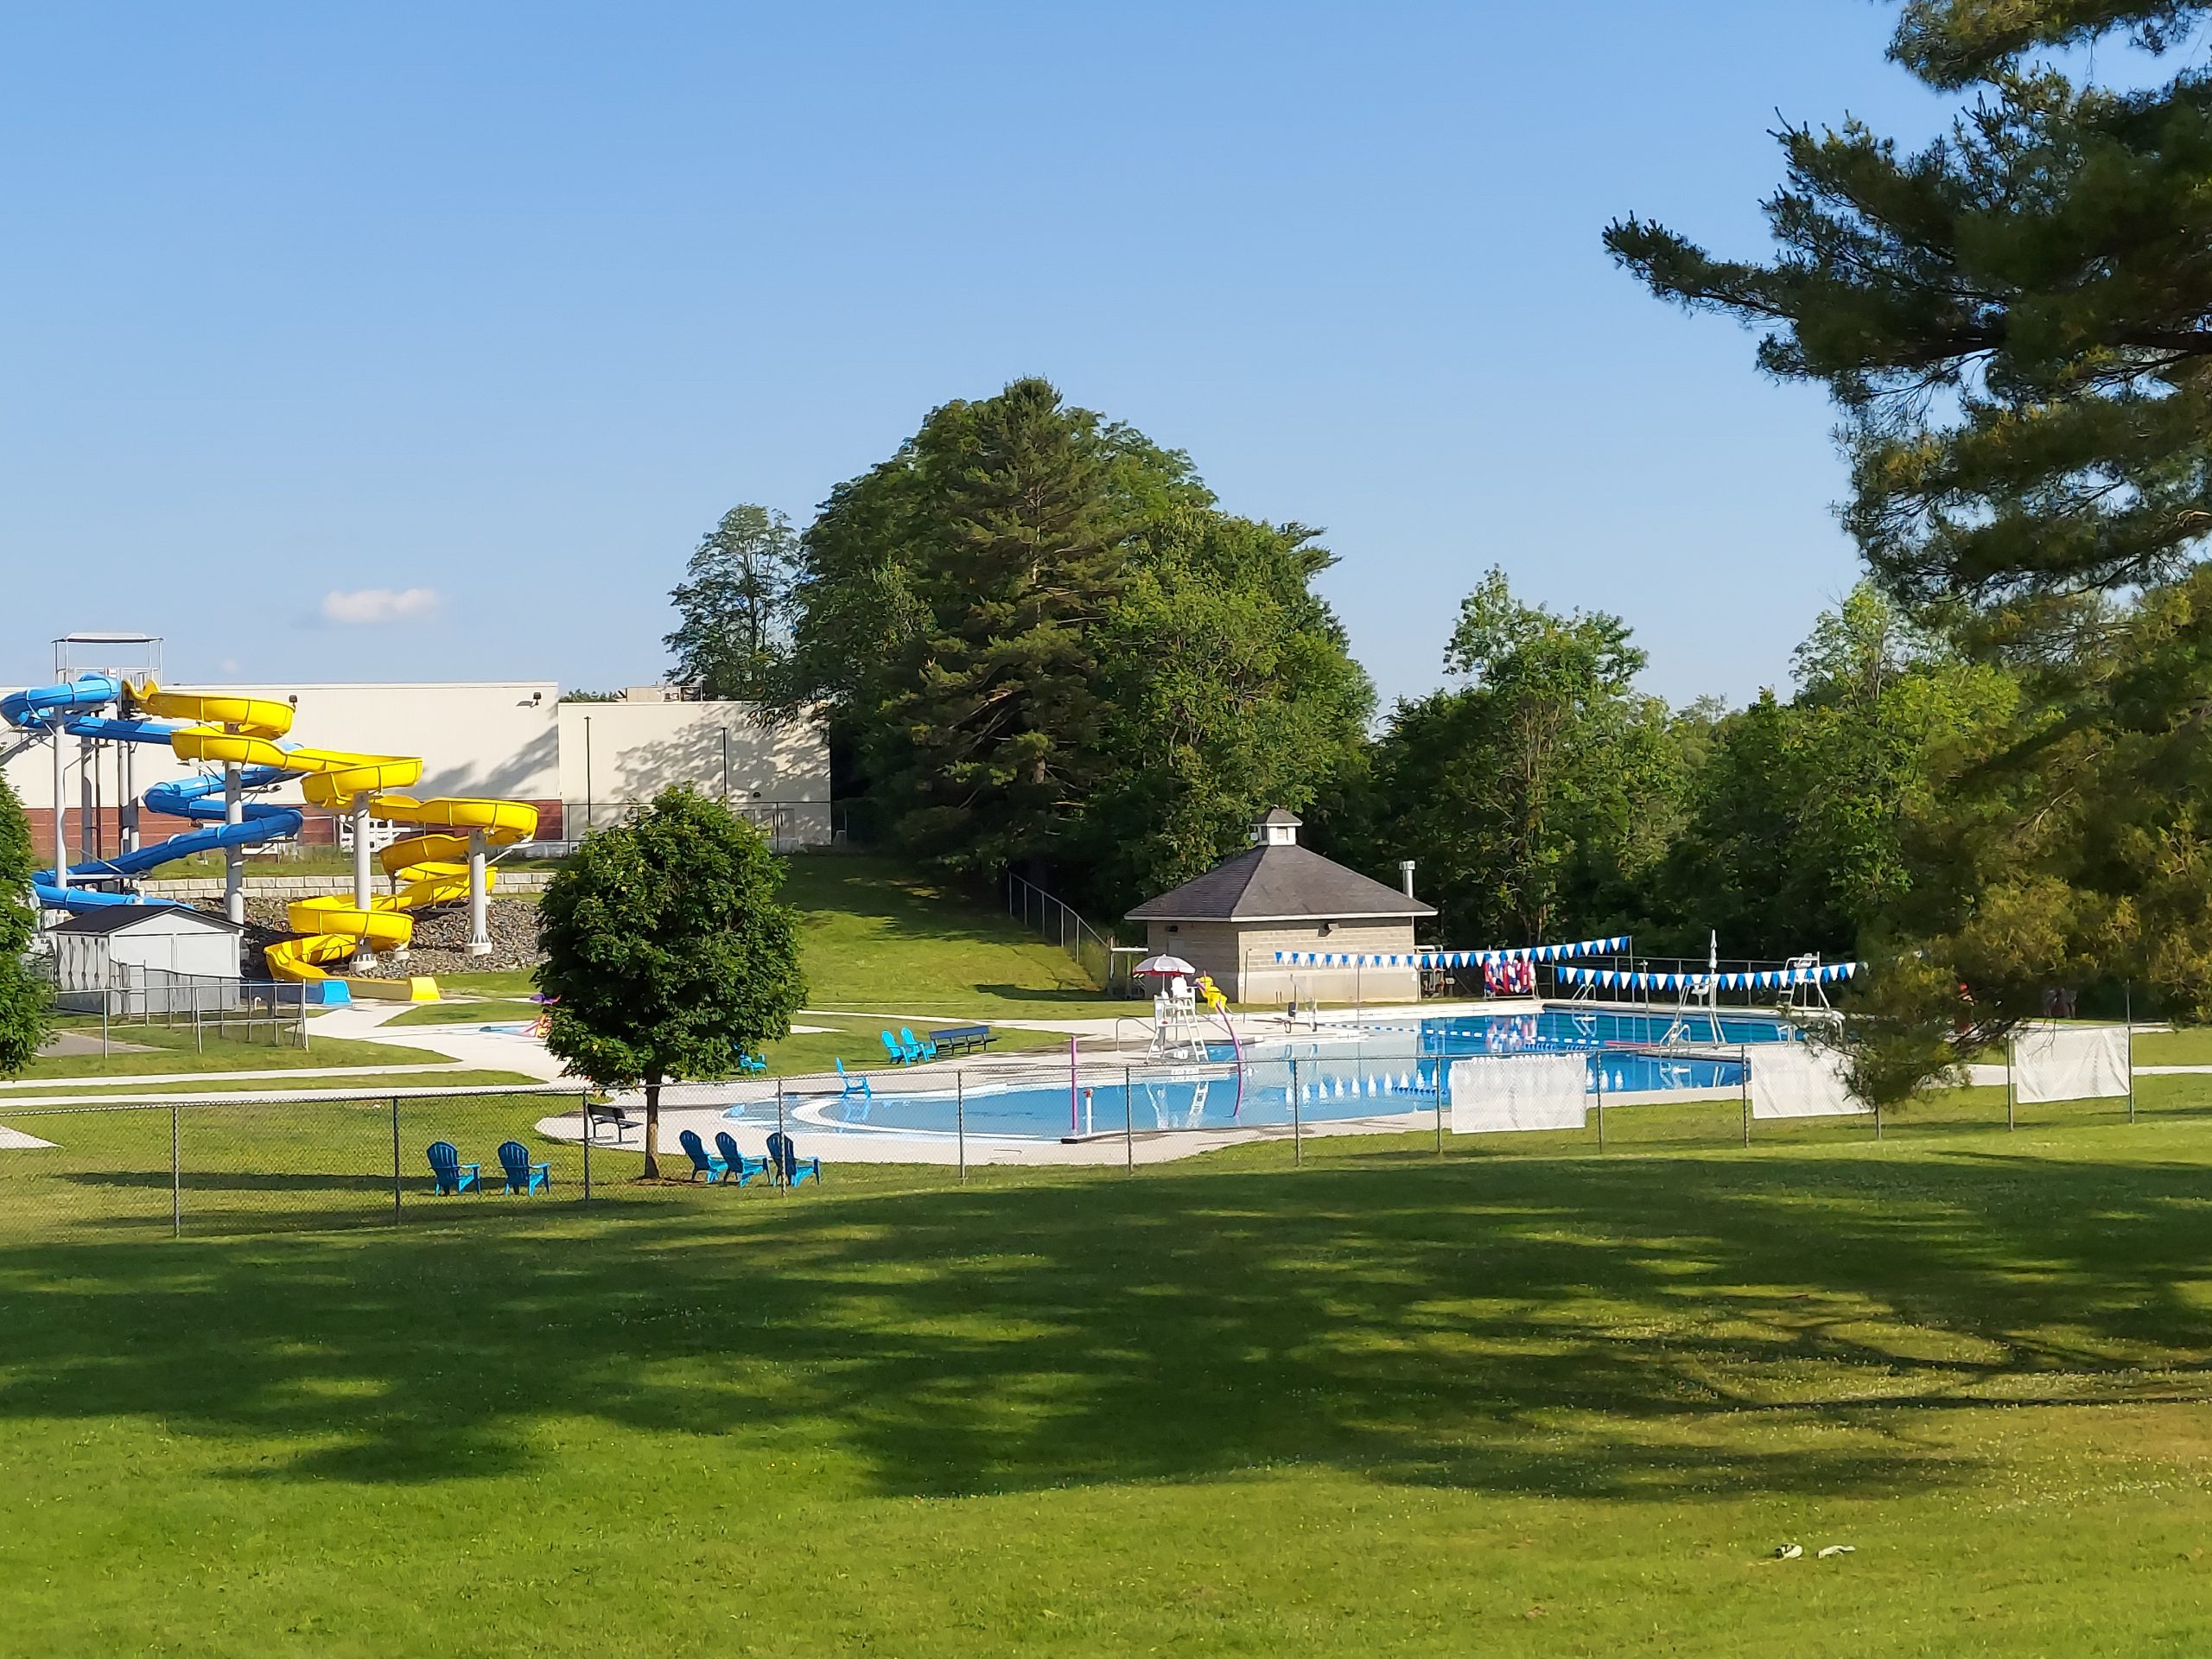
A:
x,y
523,1176
919,1048
702,1161
788,1166
741,1168
899,1056
751,1064
854,1085
449,1176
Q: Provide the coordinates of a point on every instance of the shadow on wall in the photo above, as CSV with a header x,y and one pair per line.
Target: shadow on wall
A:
x,y
779,774
1423,1326
510,779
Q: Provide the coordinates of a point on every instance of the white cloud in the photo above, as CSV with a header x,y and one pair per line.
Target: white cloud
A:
x,y
367,607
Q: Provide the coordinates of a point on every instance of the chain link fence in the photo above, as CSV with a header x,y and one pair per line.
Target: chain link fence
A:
x,y
208,1165
273,1011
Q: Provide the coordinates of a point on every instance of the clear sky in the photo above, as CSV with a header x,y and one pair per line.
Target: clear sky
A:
x,y
401,342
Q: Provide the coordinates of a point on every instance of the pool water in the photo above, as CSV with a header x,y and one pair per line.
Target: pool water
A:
x,y
1387,1069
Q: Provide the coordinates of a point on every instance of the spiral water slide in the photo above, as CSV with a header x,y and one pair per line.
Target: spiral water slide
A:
x,y
429,869
221,729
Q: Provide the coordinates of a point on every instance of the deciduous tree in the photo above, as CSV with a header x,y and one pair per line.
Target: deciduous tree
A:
x,y
667,952
25,1002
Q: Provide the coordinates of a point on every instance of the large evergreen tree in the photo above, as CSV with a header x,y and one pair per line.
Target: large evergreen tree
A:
x,y
997,705
2016,321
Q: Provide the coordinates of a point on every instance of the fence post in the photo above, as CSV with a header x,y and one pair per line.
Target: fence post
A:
x,y
176,1172
1601,1106
1745,1082
1128,1124
2127,993
960,1120
1297,1128
781,1186
1440,1118
197,1046
395,1161
2008,1082
105,998
584,1097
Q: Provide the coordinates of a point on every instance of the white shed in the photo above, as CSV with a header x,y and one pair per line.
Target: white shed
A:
x,y
155,954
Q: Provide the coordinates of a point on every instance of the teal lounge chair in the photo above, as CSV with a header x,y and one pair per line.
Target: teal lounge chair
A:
x,y
854,1085
790,1169
899,1056
449,1176
702,1162
523,1176
920,1048
751,1064
741,1168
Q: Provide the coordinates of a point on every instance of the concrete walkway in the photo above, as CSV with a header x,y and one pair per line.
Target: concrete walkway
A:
x,y
123,1080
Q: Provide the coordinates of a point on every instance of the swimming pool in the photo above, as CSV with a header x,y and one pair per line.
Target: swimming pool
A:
x,y
1363,1072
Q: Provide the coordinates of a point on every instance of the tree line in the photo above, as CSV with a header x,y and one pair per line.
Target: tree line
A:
x,y
1041,644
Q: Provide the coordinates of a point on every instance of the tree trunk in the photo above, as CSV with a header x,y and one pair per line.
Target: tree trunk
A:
x,y
652,1128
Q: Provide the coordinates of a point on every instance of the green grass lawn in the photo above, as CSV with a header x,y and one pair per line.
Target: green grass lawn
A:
x,y
1496,1404
173,1050
877,938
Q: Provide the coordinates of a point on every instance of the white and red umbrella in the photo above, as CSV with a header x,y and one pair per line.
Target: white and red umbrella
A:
x,y
1164,967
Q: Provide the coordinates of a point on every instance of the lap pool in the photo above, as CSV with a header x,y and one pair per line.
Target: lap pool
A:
x,y
1369,1071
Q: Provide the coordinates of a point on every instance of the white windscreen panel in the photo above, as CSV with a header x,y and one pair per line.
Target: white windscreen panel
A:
x,y
1798,1080
1493,1094
2069,1063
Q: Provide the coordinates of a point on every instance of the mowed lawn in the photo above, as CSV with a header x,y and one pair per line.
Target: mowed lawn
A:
x,y
1495,1405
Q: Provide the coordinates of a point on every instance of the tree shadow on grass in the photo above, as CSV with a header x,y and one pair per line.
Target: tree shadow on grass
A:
x,y
1566,1327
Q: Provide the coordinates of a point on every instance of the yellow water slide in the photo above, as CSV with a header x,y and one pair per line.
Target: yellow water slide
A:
x,y
431,868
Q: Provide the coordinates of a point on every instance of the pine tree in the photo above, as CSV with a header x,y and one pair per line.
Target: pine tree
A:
x,y
995,708
2016,320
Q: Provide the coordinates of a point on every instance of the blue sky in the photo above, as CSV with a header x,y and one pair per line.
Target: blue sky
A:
x,y
503,305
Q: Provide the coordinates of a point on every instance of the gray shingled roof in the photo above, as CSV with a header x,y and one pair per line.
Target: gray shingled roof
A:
x,y
110,918
1287,883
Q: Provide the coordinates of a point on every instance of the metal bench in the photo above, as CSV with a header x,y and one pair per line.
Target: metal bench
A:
x,y
963,1039
609,1113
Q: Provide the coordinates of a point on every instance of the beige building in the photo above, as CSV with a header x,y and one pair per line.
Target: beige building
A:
x,y
1230,922
615,755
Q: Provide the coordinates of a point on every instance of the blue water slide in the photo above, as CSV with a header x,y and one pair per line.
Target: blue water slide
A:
x,y
72,709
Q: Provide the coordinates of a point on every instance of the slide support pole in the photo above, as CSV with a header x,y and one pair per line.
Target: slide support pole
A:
x,y
127,784
234,856
61,810
364,885
479,927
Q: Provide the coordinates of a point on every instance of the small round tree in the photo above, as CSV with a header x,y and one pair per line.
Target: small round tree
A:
x,y
668,951
25,1001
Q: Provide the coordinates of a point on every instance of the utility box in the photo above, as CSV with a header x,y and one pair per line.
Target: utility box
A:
x,y
162,958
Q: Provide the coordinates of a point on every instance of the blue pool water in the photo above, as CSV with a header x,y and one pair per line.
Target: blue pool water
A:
x,y
1389,1069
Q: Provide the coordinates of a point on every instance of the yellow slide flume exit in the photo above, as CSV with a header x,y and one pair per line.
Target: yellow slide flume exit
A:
x,y
431,868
